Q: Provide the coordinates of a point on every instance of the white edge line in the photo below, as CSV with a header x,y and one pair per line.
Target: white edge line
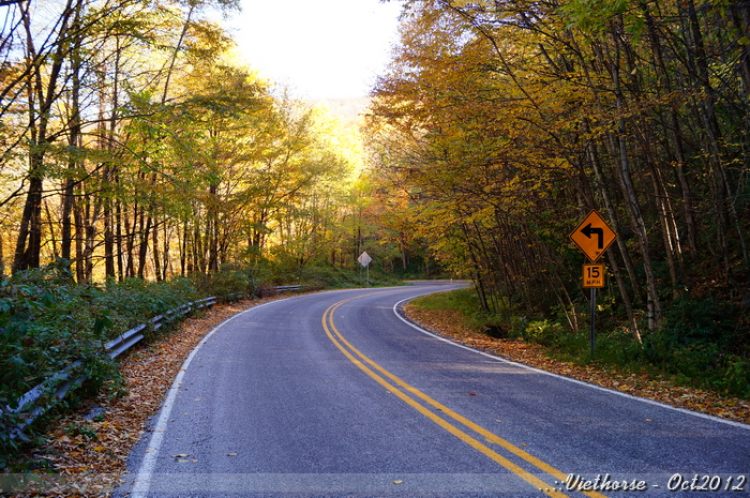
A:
x,y
575,381
145,473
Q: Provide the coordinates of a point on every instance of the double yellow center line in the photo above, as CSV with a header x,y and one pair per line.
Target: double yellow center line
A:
x,y
390,382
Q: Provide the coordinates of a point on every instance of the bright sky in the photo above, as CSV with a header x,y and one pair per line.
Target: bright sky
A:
x,y
318,48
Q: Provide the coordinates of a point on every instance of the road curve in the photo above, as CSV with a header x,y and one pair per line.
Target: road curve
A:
x,y
334,394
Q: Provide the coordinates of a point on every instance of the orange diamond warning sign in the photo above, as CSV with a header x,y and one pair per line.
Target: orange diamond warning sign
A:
x,y
593,236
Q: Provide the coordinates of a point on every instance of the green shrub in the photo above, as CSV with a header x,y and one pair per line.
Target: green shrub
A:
x,y
544,332
327,277
228,284
466,302
736,378
696,340
48,323
133,301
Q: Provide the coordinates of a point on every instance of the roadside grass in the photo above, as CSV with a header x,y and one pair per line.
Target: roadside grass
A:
x,y
463,301
466,303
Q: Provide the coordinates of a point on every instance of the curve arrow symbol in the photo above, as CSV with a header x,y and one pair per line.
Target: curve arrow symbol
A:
x,y
588,231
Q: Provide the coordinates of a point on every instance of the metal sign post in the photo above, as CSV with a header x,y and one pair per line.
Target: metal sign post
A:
x,y
593,236
593,278
592,335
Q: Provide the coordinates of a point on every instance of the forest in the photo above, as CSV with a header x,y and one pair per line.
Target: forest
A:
x,y
145,165
136,144
501,124
137,148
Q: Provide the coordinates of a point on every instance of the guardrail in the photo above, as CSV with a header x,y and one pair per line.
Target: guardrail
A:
x,y
125,341
281,288
285,288
51,392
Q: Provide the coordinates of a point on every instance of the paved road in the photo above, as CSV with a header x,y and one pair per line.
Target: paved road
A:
x,y
332,394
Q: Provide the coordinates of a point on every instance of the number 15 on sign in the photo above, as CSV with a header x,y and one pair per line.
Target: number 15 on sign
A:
x,y
593,276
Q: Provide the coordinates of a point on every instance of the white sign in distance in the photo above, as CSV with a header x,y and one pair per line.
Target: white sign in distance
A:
x,y
364,259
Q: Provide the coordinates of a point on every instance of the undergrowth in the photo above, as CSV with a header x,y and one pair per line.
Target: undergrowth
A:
x,y
48,323
319,276
466,302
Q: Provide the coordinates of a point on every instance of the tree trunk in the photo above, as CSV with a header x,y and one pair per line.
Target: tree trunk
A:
x,y
2,259
629,192
73,164
110,171
79,236
612,219
42,90
118,236
155,253
145,230
725,199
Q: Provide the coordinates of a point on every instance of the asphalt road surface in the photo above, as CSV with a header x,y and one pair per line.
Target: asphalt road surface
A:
x,y
333,394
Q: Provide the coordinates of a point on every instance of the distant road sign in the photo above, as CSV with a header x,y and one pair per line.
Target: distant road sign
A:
x,y
593,236
593,276
364,259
